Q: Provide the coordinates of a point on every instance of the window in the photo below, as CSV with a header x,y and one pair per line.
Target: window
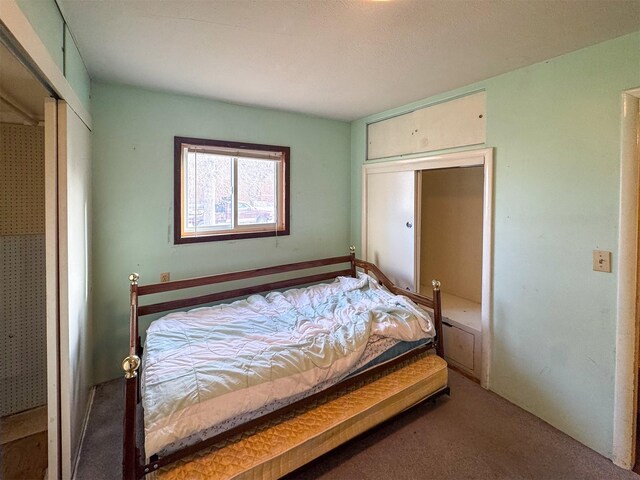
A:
x,y
229,190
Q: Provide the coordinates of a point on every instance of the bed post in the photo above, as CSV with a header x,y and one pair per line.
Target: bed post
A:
x,y
130,366
352,260
437,314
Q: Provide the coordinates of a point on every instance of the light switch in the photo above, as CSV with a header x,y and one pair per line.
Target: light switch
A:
x,y
601,261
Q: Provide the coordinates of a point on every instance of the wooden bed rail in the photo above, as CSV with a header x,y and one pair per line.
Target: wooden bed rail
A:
x,y
134,466
242,275
241,292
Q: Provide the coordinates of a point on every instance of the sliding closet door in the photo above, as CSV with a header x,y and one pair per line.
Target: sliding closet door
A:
x,y
51,284
390,229
74,180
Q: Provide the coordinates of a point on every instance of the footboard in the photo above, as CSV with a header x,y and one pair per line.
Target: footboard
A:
x,y
134,465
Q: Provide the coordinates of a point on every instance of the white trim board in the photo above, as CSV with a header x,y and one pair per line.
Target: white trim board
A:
x,y
16,22
74,154
625,390
469,158
85,424
52,298
67,455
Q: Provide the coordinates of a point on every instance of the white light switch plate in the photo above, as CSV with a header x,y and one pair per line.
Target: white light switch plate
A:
x,y
601,261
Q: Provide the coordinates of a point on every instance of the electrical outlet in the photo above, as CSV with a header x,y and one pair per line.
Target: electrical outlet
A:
x,y
601,261
165,277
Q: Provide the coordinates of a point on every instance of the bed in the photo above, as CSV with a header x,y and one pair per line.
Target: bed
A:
x,y
224,378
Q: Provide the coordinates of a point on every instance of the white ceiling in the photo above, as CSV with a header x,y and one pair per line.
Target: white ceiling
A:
x,y
19,92
333,58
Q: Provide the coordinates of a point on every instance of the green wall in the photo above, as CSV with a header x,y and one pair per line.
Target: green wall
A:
x,y
46,20
133,197
75,70
555,127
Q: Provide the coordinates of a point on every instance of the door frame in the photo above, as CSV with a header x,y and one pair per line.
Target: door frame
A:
x,y
52,287
627,331
17,33
467,158
38,58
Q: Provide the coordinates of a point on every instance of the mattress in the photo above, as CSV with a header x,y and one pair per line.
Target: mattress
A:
x,y
207,368
286,443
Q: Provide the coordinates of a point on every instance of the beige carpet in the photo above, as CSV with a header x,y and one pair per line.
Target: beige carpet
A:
x,y
473,435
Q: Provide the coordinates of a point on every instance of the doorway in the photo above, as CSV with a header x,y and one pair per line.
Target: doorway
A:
x,y
625,413
450,250
392,239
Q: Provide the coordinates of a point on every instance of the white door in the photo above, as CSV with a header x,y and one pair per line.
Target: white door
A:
x,y
74,183
52,299
390,236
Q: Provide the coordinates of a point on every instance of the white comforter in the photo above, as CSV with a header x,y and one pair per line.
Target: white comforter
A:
x,y
210,364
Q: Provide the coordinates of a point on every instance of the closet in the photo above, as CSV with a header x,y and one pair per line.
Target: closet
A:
x,y
451,251
23,308
45,292
431,218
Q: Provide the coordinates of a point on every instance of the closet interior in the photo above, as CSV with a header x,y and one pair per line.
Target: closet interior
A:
x,y
451,206
23,340
444,196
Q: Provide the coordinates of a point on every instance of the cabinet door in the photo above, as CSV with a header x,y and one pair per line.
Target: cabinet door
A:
x,y
390,225
450,124
394,136
458,346
454,123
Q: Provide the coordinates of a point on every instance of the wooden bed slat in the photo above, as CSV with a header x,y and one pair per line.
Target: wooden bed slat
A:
x,y
229,277
240,292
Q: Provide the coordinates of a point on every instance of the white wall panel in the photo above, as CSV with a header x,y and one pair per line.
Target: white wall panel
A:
x,y
455,123
451,124
74,153
394,136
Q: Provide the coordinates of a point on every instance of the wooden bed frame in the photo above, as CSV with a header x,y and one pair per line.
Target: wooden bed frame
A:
x,y
134,465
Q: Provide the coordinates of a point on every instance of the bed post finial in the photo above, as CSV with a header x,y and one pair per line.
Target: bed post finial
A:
x,y
130,366
352,261
133,278
437,314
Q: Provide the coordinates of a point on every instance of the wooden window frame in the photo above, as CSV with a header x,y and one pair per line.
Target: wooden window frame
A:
x,y
285,205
